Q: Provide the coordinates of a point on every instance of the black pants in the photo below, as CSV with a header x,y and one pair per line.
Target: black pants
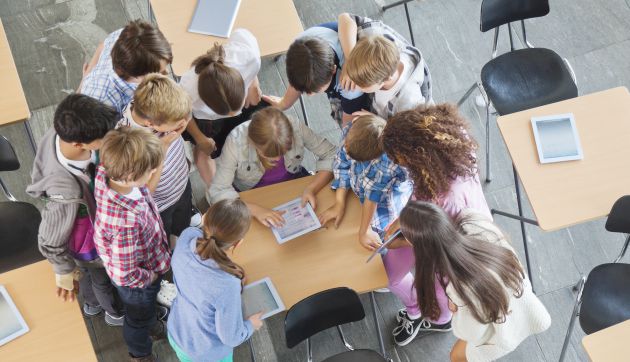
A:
x,y
140,317
97,289
176,217
219,129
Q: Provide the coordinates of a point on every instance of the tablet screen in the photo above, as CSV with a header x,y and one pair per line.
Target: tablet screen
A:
x,y
13,324
556,138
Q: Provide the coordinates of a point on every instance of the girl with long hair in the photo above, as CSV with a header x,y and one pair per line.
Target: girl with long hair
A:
x,y
434,145
206,321
494,308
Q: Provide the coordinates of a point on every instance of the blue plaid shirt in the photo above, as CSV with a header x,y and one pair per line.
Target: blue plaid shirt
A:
x,y
380,181
103,83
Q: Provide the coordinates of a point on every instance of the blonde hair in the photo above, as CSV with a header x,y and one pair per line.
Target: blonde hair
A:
x,y
129,153
220,87
160,100
271,133
224,224
373,60
363,139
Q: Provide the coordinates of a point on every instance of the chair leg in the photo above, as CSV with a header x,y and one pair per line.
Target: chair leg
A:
x,y
467,94
303,110
348,346
623,250
251,350
309,351
381,344
488,173
519,203
576,308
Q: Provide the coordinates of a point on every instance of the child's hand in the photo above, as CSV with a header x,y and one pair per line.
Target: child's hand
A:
x,y
452,307
392,228
68,295
334,212
360,113
370,240
207,146
256,321
309,196
268,217
254,95
275,101
346,82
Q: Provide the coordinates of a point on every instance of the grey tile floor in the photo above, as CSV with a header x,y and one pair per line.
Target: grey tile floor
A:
x,y
50,40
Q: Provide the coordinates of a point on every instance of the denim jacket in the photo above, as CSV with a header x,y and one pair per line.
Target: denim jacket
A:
x,y
239,166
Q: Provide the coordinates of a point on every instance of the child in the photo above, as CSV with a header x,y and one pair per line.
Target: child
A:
x,y
129,235
314,63
267,150
382,186
161,106
494,308
206,320
63,175
433,144
122,60
225,92
383,63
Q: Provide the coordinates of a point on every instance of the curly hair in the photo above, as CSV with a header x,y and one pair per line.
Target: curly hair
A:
x,y
433,143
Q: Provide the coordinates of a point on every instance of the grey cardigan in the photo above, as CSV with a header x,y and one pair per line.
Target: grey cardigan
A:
x,y
239,166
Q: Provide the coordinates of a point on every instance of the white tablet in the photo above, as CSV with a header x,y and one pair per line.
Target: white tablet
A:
x,y
261,296
557,138
12,324
298,221
214,17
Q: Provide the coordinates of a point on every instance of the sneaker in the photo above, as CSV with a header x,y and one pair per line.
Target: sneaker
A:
x,y
153,357
162,313
114,321
381,290
167,293
91,311
402,314
195,219
408,329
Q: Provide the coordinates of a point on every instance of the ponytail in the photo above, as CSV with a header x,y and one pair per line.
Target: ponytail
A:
x,y
225,224
219,86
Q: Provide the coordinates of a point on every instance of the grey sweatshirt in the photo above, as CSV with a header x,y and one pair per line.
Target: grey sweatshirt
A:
x,y
63,193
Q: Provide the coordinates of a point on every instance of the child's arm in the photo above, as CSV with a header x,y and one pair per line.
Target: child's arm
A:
x,y
290,97
321,179
87,67
205,144
231,329
368,238
253,94
127,272
348,39
337,210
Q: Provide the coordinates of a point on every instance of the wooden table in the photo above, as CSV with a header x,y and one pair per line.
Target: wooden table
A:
x,y
57,330
13,106
323,259
568,193
275,23
608,345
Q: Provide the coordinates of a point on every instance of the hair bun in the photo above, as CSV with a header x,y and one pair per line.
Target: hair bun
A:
x,y
215,55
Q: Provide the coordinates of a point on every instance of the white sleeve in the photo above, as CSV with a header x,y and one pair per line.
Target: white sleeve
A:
x,y
244,43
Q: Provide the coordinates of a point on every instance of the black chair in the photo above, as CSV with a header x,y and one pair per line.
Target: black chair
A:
x,y
603,298
19,221
324,310
524,78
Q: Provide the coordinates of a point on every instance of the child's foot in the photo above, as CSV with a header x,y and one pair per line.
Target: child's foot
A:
x,y
91,311
408,328
167,293
195,219
114,320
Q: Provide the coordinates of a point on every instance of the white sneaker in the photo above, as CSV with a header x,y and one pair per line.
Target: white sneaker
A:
x,y
195,220
167,293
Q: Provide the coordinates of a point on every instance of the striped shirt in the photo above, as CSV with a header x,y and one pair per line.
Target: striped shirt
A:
x,y
103,83
380,181
129,235
174,175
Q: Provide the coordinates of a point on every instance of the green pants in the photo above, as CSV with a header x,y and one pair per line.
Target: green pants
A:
x,y
181,355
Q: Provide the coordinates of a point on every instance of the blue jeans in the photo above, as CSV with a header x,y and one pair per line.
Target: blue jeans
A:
x,y
140,317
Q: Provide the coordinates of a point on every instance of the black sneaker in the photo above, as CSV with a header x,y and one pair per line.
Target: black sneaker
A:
x,y
402,313
408,329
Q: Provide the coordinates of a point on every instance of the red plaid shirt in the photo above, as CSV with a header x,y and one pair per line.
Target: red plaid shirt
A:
x,y
129,236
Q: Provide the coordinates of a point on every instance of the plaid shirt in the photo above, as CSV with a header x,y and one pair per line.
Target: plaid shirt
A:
x,y
380,181
103,83
129,236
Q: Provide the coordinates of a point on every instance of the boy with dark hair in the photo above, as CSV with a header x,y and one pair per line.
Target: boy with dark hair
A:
x,y
63,174
129,234
122,60
314,65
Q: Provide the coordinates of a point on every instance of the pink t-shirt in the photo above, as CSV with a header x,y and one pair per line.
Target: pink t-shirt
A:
x,y
275,175
465,193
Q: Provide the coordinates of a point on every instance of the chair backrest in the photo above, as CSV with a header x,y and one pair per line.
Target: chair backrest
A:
x,y
8,158
321,311
619,218
498,12
19,224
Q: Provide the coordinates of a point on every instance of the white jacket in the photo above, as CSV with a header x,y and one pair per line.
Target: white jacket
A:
x,y
527,315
